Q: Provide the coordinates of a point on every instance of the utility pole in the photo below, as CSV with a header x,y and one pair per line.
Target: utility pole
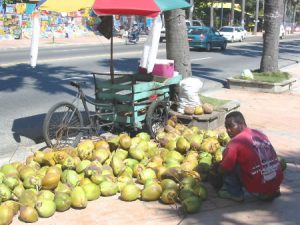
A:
x,y
243,14
256,17
221,25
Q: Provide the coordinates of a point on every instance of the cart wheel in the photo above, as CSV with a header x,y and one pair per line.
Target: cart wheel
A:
x,y
156,117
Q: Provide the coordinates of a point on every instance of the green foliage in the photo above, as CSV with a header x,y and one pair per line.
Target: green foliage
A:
x,y
215,102
270,77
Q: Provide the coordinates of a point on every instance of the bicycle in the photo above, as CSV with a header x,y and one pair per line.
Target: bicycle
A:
x,y
64,124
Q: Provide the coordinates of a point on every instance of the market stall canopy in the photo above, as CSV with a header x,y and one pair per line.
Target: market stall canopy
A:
x,y
64,5
149,8
226,5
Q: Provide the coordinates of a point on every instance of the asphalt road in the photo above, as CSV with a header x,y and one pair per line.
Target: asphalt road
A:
x,y
26,94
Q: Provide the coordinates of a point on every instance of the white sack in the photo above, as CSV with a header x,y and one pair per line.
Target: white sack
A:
x,y
151,45
189,89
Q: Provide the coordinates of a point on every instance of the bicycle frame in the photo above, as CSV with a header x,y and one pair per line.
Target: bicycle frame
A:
x,y
84,99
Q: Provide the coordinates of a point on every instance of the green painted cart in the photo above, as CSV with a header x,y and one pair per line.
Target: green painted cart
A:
x,y
137,100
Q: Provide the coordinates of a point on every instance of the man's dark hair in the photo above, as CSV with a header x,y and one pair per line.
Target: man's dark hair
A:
x,y
236,116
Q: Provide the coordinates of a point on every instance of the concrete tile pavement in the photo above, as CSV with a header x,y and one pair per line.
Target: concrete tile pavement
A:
x,y
277,115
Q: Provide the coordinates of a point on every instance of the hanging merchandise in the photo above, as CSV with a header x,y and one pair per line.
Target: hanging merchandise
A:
x,y
151,46
20,8
35,38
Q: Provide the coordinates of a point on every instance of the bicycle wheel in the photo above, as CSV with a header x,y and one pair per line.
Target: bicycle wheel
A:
x,y
156,117
62,124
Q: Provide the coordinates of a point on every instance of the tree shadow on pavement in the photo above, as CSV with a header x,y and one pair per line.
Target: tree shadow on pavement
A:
x,y
43,78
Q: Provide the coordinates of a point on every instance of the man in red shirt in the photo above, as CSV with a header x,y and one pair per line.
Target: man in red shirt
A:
x,y
249,162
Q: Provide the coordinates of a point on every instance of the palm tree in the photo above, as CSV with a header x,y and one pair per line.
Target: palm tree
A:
x,y
232,12
272,20
177,43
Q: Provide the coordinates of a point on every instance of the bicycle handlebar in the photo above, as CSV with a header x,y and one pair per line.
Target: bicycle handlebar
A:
x,y
77,84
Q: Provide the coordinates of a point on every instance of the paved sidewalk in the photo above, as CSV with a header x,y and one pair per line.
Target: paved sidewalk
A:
x,y
277,115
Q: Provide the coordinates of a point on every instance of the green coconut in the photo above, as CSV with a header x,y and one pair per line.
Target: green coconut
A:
x,y
121,153
32,182
6,215
114,143
62,187
108,188
83,165
174,155
62,201
169,196
92,191
171,163
174,173
188,182
101,155
182,145
70,177
11,182
5,192
186,193
102,144
151,192
146,174
170,145
201,192
137,169
17,191
223,138
210,134
27,171
28,214
191,204
117,165
138,152
94,168
122,181
85,149
13,205
130,162
98,178
125,141
130,192
9,170
78,198
68,163
45,195
169,184
144,136
28,197
45,208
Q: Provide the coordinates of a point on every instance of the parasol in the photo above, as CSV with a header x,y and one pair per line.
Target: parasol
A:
x,y
149,8
57,6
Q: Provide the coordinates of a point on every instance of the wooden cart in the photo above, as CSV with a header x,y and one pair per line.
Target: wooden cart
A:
x,y
137,100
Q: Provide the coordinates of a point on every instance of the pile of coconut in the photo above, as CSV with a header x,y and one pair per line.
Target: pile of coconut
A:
x,y
170,169
205,108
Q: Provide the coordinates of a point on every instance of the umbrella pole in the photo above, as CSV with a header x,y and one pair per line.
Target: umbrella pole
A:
x,y
111,53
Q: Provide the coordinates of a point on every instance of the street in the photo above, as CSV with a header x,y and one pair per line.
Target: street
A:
x,y
26,94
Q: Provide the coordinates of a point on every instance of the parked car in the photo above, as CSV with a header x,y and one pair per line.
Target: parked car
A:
x,y
231,33
188,25
206,38
193,23
243,32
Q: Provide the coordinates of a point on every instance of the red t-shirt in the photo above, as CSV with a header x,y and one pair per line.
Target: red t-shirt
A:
x,y
260,169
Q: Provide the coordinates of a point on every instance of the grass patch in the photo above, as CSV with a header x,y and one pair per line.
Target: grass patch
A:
x,y
215,102
269,77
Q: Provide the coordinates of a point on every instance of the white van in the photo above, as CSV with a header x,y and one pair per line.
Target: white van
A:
x,y
193,23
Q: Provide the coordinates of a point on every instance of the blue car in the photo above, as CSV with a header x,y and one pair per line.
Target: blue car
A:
x,y
206,38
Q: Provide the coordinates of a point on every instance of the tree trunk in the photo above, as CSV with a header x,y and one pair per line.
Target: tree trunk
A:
x,y
243,14
232,13
177,43
272,17
211,22
256,16
191,10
